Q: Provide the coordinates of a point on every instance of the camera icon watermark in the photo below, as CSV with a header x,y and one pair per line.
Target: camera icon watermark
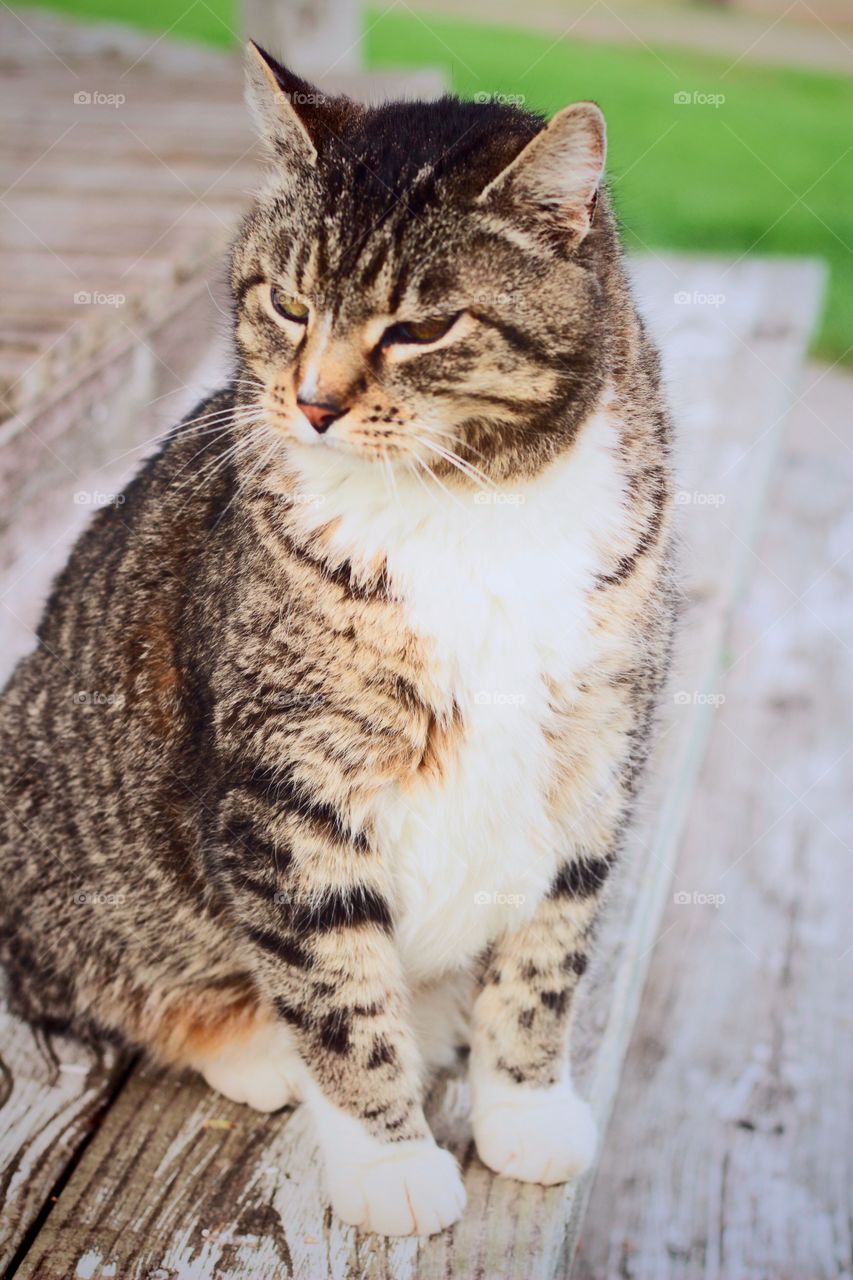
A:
x,y
297,699
696,698
96,698
494,297
97,898
296,499
688,498
503,99
697,98
97,498
484,898
489,498
697,299
84,298
498,698
301,99
696,899
84,98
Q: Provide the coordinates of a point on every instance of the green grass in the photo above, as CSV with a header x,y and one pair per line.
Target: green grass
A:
x,y
210,21
764,172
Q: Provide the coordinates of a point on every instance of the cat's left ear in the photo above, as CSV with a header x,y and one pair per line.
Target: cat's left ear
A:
x,y
559,172
294,118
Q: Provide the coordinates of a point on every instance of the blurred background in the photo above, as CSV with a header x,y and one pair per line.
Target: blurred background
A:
x,y
731,117
715,1039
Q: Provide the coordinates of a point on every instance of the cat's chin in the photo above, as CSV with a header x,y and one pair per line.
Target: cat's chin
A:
x,y
325,466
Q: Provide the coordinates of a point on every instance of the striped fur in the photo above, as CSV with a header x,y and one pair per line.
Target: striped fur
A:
x,y
328,744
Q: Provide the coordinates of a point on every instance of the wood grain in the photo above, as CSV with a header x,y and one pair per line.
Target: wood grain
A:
x,y
126,193
51,1091
729,1153
179,1183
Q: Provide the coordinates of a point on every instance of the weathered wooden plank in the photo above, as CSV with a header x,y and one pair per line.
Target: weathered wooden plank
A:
x,y
51,1091
25,38
113,177
124,151
35,270
98,331
139,230
180,1183
84,443
729,1153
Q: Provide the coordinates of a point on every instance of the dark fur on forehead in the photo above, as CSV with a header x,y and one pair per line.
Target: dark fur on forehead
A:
x,y
387,146
465,142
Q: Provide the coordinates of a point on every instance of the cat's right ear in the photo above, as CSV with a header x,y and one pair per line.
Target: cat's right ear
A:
x,y
284,107
558,174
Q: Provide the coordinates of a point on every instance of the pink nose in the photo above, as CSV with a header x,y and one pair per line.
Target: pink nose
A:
x,y
321,416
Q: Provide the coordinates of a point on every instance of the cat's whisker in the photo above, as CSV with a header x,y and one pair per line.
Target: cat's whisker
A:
x,y
245,481
227,416
218,413
475,471
376,455
428,469
209,470
466,469
204,467
233,415
212,417
390,478
413,470
222,431
393,478
207,475
452,435
238,420
218,429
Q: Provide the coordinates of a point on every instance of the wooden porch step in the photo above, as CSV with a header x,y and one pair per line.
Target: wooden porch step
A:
x,y
728,1151
175,1182
125,157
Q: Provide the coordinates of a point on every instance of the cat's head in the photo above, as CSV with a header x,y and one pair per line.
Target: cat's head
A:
x,y
423,282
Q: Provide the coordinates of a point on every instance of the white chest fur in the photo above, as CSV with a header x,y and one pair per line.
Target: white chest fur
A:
x,y
496,584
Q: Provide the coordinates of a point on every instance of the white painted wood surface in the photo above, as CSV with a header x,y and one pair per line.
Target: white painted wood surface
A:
x,y
51,1091
730,1151
179,1183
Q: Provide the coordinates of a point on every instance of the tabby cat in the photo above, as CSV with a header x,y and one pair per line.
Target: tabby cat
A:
x,y
329,741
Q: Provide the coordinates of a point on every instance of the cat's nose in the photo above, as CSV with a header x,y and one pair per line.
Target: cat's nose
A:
x,y
321,416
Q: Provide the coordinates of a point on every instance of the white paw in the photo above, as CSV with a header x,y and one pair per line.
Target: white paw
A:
x,y
412,1189
535,1135
261,1085
261,1070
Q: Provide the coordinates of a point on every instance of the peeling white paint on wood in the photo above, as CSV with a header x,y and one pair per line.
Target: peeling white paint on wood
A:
x,y
729,1154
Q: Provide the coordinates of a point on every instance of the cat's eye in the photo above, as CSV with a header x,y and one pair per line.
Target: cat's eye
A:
x,y
421,331
288,306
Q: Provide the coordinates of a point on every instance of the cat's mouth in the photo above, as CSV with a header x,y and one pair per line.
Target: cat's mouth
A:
x,y
345,435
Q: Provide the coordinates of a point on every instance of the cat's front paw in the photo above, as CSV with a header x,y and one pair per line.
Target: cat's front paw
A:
x,y
535,1135
411,1189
